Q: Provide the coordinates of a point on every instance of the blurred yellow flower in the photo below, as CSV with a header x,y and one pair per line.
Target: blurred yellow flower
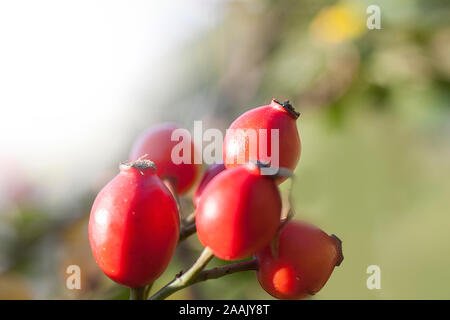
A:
x,y
338,23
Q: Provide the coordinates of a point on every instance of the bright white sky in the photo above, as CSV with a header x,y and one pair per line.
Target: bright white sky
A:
x,y
71,71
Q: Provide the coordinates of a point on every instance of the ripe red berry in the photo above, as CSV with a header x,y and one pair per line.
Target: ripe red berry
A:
x,y
157,145
238,212
134,226
306,257
209,174
276,115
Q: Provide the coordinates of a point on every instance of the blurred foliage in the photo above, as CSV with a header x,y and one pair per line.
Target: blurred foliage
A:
x,y
375,165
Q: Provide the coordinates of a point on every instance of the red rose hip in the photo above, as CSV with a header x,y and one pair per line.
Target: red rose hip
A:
x,y
157,145
209,174
238,212
306,257
134,226
240,143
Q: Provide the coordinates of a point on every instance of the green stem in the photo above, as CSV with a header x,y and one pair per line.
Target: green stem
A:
x,y
187,231
137,293
189,219
148,288
204,275
186,278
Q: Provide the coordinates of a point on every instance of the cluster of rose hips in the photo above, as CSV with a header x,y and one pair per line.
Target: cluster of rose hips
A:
x,y
135,222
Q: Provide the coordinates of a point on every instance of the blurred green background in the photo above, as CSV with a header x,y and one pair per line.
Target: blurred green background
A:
x,y
375,131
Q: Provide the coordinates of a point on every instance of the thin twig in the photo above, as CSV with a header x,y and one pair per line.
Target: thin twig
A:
x,y
185,279
219,272
189,219
186,231
137,293
204,275
148,288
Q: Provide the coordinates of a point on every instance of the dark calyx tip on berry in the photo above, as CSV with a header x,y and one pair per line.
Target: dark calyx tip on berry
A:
x,y
280,172
288,107
340,256
140,164
258,163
